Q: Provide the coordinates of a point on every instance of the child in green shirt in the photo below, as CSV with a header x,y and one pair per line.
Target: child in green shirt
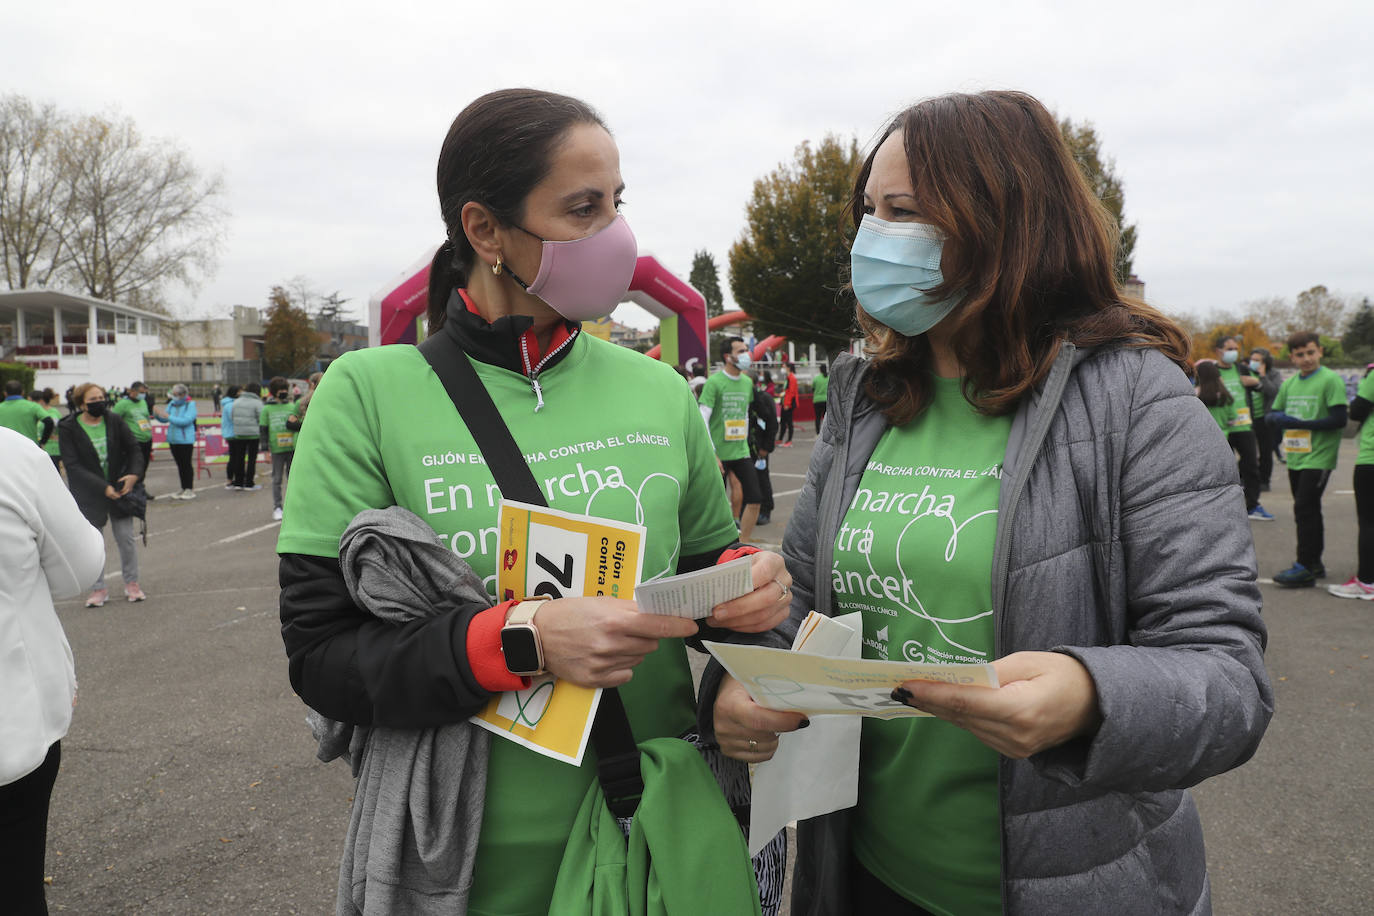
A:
x,y
1214,394
1310,410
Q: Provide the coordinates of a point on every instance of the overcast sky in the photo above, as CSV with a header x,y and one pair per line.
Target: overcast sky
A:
x,y
1243,131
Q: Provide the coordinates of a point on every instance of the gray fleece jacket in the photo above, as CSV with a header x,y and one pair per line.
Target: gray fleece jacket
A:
x,y
1121,540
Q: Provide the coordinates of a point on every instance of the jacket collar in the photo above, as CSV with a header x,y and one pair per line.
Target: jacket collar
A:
x,y
508,342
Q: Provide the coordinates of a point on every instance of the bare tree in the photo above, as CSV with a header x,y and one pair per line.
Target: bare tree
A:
x,y
35,208
144,214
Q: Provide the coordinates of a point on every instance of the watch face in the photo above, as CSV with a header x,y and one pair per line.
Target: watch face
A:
x,y
520,645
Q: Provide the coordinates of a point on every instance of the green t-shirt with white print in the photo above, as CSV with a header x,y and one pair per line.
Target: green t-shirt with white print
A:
x,y
619,437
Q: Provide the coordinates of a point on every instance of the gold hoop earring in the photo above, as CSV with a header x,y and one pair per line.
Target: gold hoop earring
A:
x,y
496,268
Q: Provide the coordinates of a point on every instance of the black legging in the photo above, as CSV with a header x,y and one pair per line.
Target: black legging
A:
x,y
185,467
1264,440
820,415
24,836
1364,511
785,425
1247,462
1307,486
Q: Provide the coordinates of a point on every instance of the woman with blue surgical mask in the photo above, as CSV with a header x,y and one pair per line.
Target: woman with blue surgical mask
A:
x,y
997,484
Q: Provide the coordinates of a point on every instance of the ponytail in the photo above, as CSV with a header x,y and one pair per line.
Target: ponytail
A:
x,y
444,277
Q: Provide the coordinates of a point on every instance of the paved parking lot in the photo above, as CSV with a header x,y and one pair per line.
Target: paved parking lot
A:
x,y
189,785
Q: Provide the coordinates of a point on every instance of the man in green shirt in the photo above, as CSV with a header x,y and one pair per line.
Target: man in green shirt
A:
x,y
135,412
24,416
278,436
725,400
1310,410
1243,385
820,392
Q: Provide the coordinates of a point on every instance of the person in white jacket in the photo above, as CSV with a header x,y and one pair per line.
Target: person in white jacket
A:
x,y
47,550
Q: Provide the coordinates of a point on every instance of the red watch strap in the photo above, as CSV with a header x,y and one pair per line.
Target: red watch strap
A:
x,y
484,651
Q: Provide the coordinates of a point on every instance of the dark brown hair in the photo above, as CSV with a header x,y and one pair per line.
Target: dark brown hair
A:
x,y
1210,388
1027,243
1299,339
498,148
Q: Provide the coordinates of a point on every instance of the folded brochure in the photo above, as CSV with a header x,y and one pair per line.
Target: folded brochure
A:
x,y
831,685
694,594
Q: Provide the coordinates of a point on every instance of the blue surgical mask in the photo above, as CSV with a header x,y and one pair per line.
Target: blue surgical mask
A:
x,y
743,362
1256,366
1229,357
892,268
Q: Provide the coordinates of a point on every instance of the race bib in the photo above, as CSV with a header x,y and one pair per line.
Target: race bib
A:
x,y
286,440
143,424
735,430
1298,441
1242,417
547,552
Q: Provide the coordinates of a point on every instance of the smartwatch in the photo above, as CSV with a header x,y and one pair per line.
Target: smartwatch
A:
x,y
520,644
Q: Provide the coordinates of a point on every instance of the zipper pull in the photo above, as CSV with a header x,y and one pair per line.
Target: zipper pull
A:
x,y
538,393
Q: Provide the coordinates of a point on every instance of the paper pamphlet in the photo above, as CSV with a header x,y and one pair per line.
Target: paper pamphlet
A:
x,y
830,685
815,771
695,593
546,552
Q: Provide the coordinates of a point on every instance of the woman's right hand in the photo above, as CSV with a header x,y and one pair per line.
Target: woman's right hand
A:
x,y
597,642
111,492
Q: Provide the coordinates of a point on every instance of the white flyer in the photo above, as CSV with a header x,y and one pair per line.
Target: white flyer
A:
x,y
816,770
695,593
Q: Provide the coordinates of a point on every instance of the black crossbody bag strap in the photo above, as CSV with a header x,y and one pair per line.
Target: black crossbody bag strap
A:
x,y
617,766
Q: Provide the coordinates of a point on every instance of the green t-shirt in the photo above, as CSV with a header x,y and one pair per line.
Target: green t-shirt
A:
x,y
1310,398
1225,415
619,437
274,416
135,413
914,556
102,444
1366,391
729,400
54,447
24,417
1230,377
820,389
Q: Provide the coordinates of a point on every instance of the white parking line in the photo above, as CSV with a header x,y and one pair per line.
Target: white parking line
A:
x,y
246,534
777,493
772,473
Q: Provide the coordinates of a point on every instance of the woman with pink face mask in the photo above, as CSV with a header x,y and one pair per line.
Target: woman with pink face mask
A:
x,y
530,194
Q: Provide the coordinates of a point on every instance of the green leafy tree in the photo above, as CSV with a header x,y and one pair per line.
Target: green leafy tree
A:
x,y
1100,170
1358,340
706,278
290,342
786,267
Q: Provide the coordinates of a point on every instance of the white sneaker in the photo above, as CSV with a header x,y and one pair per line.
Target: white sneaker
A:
x,y
1352,589
276,515
188,494
176,495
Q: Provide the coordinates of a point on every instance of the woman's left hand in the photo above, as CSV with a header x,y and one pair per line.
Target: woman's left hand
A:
x,y
1046,698
763,608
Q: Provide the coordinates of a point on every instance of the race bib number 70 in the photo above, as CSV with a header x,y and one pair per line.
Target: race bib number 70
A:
x,y
546,552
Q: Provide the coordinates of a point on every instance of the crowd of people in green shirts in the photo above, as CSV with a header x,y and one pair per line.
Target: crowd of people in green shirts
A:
x,y
1303,416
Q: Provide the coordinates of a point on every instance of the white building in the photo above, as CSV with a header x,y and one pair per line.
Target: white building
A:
x,y
69,338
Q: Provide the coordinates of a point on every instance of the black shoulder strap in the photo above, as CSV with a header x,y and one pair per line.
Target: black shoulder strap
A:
x,y
617,755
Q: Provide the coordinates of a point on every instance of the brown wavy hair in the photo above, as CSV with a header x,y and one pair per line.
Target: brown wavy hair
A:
x,y
1027,242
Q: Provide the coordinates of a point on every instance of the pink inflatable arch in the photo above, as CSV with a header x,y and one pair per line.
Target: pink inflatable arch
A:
x,y
394,312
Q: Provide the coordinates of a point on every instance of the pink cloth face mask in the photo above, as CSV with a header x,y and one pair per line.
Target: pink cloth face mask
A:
x,y
585,278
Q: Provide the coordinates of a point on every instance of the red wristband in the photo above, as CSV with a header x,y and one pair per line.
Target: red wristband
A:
x,y
734,553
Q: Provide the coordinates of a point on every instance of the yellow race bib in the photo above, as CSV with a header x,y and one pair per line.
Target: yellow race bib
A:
x,y
735,430
1297,441
1242,417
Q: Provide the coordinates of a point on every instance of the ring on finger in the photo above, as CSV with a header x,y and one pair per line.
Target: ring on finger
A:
x,y
786,590
753,746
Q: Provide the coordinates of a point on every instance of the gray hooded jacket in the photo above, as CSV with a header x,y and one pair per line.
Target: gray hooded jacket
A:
x,y
1121,540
